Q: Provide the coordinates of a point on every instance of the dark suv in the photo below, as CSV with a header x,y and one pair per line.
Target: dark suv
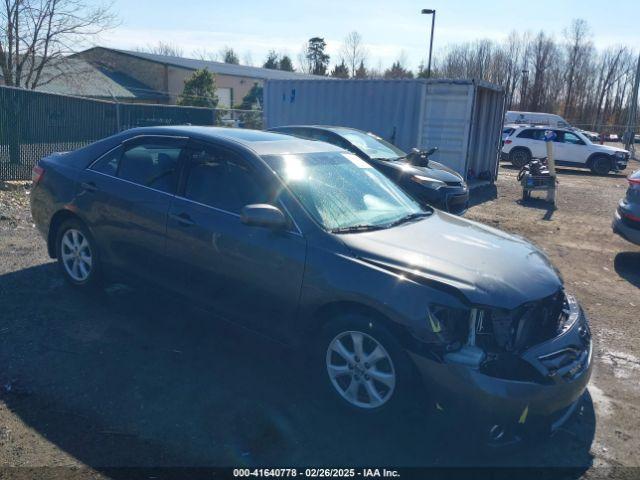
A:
x,y
430,183
309,244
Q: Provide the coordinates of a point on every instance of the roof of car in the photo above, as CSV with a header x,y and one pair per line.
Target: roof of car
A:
x,y
261,142
330,128
547,127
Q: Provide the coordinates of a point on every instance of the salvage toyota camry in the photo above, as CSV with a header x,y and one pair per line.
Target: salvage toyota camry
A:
x,y
308,243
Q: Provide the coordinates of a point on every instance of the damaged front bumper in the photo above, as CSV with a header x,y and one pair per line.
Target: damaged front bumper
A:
x,y
510,410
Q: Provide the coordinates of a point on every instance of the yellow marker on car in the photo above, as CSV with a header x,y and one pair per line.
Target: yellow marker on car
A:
x,y
523,415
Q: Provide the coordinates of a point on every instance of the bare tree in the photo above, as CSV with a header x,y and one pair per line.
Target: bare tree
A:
x,y
609,74
162,48
353,52
204,54
247,59
578,47
36,34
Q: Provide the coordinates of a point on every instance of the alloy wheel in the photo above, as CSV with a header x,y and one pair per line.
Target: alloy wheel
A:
x,y
76,255
360,369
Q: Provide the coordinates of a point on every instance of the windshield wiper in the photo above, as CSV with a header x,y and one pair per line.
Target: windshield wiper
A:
x,y
357,228
408,218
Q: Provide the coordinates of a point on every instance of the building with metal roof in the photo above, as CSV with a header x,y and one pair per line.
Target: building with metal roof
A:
x,y
165,75
75,76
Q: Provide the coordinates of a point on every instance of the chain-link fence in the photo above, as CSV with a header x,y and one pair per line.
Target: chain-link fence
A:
x,y
35,124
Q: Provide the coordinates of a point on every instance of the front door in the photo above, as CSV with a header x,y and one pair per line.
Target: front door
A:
x,y
570,148
248,274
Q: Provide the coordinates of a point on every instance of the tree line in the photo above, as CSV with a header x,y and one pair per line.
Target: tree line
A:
x,y
568,75
591,88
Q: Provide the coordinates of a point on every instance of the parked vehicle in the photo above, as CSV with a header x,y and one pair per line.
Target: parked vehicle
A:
x,y
626,221
593,136
427,181
535,118
309,244
571,148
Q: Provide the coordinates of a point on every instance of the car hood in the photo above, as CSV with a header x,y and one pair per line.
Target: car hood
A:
x,y
434,170
488,266
610,150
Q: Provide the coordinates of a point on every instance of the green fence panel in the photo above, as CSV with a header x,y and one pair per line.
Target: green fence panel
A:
x,y
34,124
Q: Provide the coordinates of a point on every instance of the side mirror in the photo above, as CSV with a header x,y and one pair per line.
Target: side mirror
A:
x,y
263,215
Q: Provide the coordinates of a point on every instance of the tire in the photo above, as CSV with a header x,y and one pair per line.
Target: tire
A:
x,y
77,255
353,385
600,165
519,157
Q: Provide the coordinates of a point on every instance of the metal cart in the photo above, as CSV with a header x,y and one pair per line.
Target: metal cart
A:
x,y
531,183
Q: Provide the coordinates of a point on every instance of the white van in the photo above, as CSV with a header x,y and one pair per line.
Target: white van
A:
x,y
535,118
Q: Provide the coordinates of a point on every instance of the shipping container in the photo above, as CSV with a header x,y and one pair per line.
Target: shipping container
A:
x,y
463,118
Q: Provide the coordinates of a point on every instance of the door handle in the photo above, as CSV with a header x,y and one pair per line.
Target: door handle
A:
x,y
182,218
89,186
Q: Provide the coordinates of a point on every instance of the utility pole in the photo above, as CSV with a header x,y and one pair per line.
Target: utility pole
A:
x,y
629,140
428,11
523,93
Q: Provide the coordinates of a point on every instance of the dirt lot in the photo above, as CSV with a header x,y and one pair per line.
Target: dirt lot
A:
x,y
131,377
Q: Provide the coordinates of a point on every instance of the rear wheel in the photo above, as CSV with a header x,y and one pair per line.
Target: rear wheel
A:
x,y
363,366
519,157
77,254
601,165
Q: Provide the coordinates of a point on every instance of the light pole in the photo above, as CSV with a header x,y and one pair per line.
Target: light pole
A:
x,y
523,93
428,11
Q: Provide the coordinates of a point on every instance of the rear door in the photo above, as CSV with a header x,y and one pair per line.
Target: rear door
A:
x,y
248,274
126,196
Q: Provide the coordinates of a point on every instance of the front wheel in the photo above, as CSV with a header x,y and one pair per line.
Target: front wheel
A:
x,y
77,254
364,367
601,165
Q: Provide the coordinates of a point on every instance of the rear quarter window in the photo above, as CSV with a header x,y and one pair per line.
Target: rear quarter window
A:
x,y
108,164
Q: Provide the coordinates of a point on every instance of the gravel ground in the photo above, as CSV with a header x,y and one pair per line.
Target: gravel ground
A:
x,y
132,377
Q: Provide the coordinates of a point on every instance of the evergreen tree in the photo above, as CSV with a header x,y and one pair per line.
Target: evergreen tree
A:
x,y
199,90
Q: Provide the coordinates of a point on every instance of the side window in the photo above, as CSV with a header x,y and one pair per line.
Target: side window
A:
x,y
572,138
531,134
108,164
322,136
221,179
153,164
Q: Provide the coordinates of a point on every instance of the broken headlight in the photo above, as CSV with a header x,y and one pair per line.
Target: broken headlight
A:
x,y
449,324
570,313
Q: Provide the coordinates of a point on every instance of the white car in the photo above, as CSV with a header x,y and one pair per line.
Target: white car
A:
x,y
570,148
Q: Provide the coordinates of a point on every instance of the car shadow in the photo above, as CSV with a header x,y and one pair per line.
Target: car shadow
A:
x,y
627,265
572,171
539,203
578,172
131,377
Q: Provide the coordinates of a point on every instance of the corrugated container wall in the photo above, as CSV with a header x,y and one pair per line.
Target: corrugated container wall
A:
x,y
462,118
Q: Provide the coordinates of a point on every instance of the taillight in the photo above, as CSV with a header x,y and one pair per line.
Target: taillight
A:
x,y
634,218
507,141
37,174
634,182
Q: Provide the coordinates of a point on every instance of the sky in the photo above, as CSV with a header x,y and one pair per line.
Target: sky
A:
x,y
389,28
